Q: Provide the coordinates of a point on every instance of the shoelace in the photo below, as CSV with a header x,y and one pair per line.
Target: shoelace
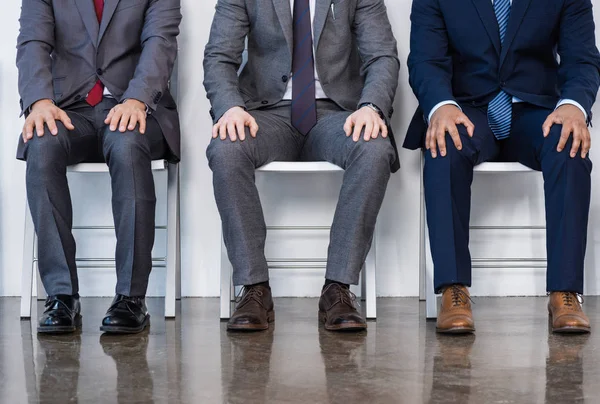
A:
x,y
569,297
51,301
345,296
459,296
247,294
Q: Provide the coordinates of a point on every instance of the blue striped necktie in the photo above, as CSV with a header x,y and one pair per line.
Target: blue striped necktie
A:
x,y
500,109
304,108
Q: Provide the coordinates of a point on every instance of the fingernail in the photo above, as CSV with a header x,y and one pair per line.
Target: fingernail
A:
x,y
112,128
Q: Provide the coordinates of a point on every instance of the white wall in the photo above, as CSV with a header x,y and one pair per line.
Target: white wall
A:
x,y
288,200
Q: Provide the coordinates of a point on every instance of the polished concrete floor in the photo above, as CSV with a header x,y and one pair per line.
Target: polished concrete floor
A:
x,y
400,359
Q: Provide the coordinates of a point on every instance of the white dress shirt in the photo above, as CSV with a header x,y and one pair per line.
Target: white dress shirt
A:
x,y
515,101
319,93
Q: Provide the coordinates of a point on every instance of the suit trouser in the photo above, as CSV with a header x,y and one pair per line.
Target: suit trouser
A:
x,y
367,170
567,187
129,156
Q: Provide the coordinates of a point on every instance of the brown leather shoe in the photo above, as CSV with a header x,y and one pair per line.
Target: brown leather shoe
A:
x,y
255,310
337,310
566,313
455,316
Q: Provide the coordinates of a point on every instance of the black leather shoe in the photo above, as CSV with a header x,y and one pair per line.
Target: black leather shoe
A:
x,y
337,311
126,315
62,315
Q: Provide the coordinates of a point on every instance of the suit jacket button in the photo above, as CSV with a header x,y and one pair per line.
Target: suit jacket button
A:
x,y
285,79
99,72
503,84
77,97
265,102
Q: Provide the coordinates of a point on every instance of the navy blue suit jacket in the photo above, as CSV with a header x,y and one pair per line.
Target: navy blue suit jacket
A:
x,y
456,55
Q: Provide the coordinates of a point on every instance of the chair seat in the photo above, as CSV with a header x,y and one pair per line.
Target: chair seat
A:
x,y
502,168
299,167
157,165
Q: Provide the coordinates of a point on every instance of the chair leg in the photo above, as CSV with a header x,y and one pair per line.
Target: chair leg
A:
x,y
226,283
172,228
431,298
369,284
27,266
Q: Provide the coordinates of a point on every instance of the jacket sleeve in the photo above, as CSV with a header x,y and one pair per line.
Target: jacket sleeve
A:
x,y
379,53
429,62
35,44
159,51
223,56
579,72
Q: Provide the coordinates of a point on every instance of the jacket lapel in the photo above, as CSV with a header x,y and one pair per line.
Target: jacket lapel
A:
x,y
517,13
485,8
320,17
109,9
284,13
90,20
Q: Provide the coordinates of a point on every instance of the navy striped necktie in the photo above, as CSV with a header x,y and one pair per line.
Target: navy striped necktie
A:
x,y
304,108
500,109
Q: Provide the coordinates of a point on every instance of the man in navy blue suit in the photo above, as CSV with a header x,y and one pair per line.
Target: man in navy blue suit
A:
x,y
505,80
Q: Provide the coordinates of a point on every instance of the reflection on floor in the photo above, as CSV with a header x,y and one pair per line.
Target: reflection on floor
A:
x,y
400,359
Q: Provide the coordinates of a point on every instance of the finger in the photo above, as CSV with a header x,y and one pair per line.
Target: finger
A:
x,y
223,131
564,136
548,123
114,120
587,143
215,130
464,120
124,121
358,127
441,140
109,116
452,129
433,147
133,121
576,142
253,127
348,126
241,130
368,131
428,137
51,125
142,121
231,131
64,118
28,130
376,130
39,125
384,130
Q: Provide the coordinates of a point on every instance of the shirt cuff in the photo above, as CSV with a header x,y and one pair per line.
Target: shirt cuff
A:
x,y
441,104
573,102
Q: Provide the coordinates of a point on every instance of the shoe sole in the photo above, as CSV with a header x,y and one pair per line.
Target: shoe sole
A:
x,y
126,330
253,327
340,327
456,330
61,329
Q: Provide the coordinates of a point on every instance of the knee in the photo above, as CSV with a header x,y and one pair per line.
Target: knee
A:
x,y
550,144
47,152
376,153
227,156
125,148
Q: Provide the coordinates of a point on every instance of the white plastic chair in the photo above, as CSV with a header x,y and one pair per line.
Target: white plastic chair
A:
x,y
431,301
172,261
368,281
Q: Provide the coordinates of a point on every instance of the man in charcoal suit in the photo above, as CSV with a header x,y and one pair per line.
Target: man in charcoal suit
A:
x,y
93,79
505,80
319,85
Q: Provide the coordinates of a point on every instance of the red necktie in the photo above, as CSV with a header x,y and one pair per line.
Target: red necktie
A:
x,y
95,95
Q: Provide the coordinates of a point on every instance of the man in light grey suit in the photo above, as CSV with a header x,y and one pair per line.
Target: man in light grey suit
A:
x,y
319,85
93,79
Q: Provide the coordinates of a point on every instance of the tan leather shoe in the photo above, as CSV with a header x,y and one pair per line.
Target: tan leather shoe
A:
x,y
566,313
455,316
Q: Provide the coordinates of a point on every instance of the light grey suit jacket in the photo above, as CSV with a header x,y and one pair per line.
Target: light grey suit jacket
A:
x,y
356,54
62,51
